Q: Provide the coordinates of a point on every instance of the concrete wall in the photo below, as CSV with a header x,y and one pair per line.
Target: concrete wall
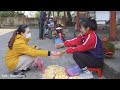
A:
x,y
32,21
16,21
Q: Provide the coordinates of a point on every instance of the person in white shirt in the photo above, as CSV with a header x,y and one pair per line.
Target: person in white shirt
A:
x,y
51,26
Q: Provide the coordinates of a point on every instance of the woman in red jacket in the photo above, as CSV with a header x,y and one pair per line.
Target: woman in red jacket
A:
x,y
86,49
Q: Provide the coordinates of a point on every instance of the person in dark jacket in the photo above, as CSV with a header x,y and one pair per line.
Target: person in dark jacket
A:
x,y
86,49
41,24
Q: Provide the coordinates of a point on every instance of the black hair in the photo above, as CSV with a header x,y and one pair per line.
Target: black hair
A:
x,y
88,22
21,29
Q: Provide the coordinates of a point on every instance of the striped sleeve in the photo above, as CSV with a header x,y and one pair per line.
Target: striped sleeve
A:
x,y
73,42
90,43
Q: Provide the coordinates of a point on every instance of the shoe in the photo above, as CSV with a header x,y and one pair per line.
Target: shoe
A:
x,y
19,74
28,69
86,75
41,38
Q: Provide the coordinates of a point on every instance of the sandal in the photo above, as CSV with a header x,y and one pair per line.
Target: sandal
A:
x,y
19,73
28,69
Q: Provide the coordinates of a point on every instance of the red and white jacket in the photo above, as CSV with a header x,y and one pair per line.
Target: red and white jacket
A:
x,y
85,43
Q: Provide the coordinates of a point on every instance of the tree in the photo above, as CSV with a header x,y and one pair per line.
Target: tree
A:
x,y
49,13
58,12
69,18
37,14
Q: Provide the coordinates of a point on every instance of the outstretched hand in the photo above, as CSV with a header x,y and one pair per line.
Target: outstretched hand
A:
x,y
54,55
61,52
59,45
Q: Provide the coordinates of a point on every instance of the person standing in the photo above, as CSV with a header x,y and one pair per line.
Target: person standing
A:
x,y
41,24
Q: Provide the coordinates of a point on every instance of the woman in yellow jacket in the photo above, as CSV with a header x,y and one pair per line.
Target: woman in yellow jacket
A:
x,y
19,55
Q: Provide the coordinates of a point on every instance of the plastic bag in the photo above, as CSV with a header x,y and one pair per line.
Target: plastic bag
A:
x,y
58,41
73,70
38,63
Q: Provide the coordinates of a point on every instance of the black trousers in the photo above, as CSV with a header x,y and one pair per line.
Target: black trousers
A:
x,y
83,60
41,30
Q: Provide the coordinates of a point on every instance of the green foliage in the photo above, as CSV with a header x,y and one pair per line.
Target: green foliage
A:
x,y
37,14
110,47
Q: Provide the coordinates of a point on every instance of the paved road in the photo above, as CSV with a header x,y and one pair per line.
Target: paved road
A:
x,y
47,44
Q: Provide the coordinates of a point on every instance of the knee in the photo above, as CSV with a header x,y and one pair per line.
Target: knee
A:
x,y
75,54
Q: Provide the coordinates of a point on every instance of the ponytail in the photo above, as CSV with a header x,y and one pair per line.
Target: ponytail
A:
x,y
89,22
95,24
10,43
21,29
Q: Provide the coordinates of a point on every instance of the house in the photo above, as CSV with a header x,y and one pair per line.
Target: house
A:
x,y
103,16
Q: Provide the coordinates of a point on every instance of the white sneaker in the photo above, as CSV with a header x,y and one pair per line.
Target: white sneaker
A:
x,y
86,75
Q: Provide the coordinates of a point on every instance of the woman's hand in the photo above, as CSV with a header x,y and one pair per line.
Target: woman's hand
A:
x,y
61,52
59,45
55,53
37,48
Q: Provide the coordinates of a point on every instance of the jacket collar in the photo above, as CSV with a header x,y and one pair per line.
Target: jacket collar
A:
x,y
90,31
23,38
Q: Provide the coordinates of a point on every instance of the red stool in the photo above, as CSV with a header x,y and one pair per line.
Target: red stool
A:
x,y
98,70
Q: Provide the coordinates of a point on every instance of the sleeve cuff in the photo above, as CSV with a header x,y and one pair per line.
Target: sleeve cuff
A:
x,y
49,53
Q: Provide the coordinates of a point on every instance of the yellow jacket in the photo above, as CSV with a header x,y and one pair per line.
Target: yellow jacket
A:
x,y
19,48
